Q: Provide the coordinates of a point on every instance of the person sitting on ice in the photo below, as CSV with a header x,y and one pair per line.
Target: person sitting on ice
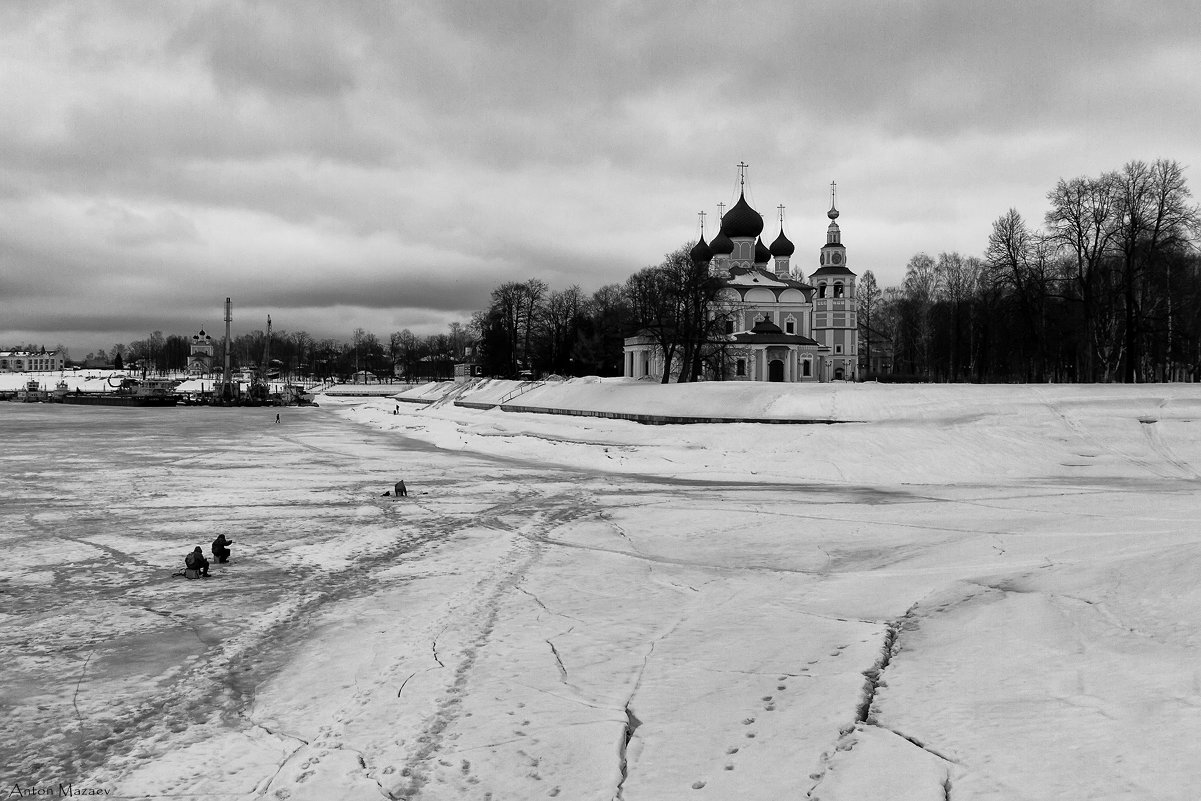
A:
x,y
196,561
221,548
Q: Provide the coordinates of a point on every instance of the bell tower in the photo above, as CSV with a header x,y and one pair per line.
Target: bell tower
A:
x,y
835,319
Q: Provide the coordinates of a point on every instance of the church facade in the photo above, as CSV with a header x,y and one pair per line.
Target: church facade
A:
x,y
200,356
778,325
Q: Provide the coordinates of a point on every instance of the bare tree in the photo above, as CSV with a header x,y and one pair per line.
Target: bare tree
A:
x,y
920,287
1154,216
1082,224
560,321
958,282
1017,258
868,298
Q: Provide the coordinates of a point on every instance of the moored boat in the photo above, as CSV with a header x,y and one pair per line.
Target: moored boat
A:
x,y
129,392
32,392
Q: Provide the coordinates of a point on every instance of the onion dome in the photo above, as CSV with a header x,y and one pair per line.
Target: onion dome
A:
x,y
833,212
782,246
762,254
742,221
722,245
766,326
701,252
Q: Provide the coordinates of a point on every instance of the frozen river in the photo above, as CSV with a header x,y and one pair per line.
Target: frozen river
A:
x,y
602,610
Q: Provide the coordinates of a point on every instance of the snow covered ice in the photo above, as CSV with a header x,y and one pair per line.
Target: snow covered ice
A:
x,y
968,592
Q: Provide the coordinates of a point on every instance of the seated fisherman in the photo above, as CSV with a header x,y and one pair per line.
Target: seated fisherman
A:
x,y
196,561
221,548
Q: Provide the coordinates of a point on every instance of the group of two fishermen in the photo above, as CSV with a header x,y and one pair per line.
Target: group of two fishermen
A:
x,y
196,561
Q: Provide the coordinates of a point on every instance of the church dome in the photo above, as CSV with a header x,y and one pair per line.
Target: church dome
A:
x,y
782,246
722,245
762,254
742,221
701,252
766,326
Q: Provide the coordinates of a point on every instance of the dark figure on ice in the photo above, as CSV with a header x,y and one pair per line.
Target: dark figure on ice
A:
x,y
221,548
277,418
400,489
195,563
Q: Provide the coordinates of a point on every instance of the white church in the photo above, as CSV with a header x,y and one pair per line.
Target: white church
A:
x,y
778,326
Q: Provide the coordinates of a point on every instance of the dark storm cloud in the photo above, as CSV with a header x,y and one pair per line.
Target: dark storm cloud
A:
x,y
277,48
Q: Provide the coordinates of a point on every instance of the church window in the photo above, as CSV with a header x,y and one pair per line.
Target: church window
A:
x,y
838,290
729,326
790,326
740,367
838,348
821,290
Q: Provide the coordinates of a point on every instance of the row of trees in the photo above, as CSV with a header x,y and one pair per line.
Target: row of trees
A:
x,y
1108,289
298,355
529,329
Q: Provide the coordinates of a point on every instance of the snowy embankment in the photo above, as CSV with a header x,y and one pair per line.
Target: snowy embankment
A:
x,y
957,592
1022,559
878,433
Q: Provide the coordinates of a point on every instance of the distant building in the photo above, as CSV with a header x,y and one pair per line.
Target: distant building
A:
x,y
200,358
23,361
778,326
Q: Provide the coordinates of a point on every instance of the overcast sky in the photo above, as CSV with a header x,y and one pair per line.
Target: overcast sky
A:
x,y
385,165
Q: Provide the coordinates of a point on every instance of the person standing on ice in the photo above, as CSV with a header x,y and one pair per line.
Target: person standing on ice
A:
x,y
221,548
196,561
400,489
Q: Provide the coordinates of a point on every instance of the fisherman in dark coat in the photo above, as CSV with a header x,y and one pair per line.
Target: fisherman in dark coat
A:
x,y
400,489
196,561
221,548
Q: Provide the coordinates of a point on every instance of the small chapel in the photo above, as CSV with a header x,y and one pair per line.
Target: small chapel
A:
x,y
778,326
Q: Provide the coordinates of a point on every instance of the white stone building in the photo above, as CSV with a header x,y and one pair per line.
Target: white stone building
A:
x,y
23,361
778,326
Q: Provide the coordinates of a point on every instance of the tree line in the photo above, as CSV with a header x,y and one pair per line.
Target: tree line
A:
x,y
530,330
1108,289
297,355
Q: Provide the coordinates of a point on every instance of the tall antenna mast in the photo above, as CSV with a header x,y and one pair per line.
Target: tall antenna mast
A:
x,y
226,375
267,353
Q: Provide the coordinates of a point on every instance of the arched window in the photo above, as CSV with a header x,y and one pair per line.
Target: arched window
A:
x,y
821,290
806,367
838,289
740,367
